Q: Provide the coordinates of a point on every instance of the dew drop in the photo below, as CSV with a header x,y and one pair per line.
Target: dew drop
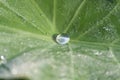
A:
x,y
62,38
106,28
2,59
21,43
97,53
79,55
5,50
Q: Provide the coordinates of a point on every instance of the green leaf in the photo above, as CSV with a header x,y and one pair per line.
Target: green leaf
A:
x,y
27,28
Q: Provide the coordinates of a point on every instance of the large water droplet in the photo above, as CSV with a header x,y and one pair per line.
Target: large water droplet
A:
x,y
2,60
62,38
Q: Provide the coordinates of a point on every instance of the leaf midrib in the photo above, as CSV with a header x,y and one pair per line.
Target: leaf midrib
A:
x,y
29,34
75,15
49,38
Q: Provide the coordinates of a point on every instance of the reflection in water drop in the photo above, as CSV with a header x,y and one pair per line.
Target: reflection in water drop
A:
x,y
97,53
107,28
62,38
2,60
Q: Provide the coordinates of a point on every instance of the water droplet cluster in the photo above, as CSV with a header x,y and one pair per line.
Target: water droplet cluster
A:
x,y
2,59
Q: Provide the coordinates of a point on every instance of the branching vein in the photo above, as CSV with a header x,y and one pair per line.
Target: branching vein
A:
x,y
75,15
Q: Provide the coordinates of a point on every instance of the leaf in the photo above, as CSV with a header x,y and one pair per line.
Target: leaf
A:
x,y
27,27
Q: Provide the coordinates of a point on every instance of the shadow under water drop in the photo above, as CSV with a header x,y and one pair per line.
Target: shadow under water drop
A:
x,y
54,37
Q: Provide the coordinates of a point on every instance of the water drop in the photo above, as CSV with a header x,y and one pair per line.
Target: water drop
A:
x,y
79,55
106,28
2,60
62,38
5,50
97,53
21,43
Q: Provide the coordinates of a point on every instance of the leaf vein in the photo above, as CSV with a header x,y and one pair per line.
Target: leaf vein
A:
x,y
19,15
98,23
75,15
113,55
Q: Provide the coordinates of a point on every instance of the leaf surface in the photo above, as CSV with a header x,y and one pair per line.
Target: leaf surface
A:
x,y
27,27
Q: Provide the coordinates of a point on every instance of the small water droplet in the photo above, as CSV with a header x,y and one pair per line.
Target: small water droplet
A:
x,y
108,73
110,55
2,60
5,50
62,38
106,28
21,43
28,39
30,45
97,53
79,55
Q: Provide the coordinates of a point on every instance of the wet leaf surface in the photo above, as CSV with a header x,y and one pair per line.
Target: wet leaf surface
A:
x,y
27,28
